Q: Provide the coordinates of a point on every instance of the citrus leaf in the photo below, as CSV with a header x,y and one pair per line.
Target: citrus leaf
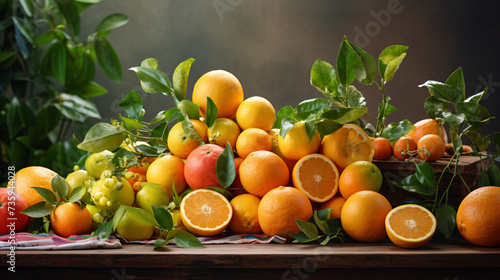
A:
x,y
180,78
302,238
323,77
163,217
412,184
118,216
141,215
482,142
104,230
77,194
160,131
111,22
108,59
446,220
346,61
190,131
102,136
321,224
191,109
284,112
394,131
172,114
47,195
310,128
390,59
160,243
324,214
453,119
367,70
426,175
286,125
476,97
334,225
326,127
344,115
132,104
226,169
308,228
457,82
441,91
154,80
38,210
147,150
476,114
60,186
310,107
434,107
211,114
190,242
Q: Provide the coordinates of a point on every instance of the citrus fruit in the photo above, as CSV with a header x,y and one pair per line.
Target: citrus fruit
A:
x,y
200,169
32,176
132,229
245,214
275,148
11,205
223,88
402,146
223,130
251,140
410,225
363,216
335,203
236,187
360,176
109,192
382,148
151,194
279,208
97,163
431,147
181,144
347,145
69,219
317,176
263,171
206,212
478,217
296,143
256,112
428,126
75,179
166,171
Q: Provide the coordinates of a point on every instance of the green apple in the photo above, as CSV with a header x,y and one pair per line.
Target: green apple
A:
x,y
151,194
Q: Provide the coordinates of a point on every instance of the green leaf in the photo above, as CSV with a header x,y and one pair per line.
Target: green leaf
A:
x,y
13,118
190,242
24,27
190,131
163,217
160,243
120,154
76,108
6,55
102,136
442,92
70,12
354,98
46,194
344,115
28,8
77,194
457,82
132,104
326,127
394,131
346,61
496,141
323,76
308,228
446,220
481,142
310,107
453,119
173,114
108,59
154,80
286,125
38,210
180,78
435,107
455,137
367,71
321,223
412,184
105,230
324,214
60,186
334,225
131,124
160,131
88,89
283,113
45,38
118,216
302,238
310,128
141,215
85,79
226,168
476,97
476,114
111,22
211,114
425,175
58,61
147,150
191,109
389,61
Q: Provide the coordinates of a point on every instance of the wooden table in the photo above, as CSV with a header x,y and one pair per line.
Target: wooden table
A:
x,y
451,260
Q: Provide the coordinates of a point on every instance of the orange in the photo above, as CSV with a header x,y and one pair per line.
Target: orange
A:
x,y
32,176
382,148
363,216
182,145
245,214
360,176
223,88
167,170
410,226
478,217
132,229
251,140
428,126
431,147
200,169
347,145
263,171
275,135
317,176
69,219
296,143
223,130
206,212
256,112
335,203
279,208
402,146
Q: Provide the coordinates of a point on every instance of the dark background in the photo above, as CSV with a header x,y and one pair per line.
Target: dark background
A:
x,y
271,45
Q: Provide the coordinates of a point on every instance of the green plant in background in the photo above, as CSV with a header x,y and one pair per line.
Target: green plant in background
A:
x,y
47,79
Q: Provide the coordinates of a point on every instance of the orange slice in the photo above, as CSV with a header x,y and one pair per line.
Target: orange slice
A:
x,y
317,176
206,212
347,145
410,225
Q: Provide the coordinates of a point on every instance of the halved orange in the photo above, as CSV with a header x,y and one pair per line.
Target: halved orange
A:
x,y
206,212
347,145
410,225
317,176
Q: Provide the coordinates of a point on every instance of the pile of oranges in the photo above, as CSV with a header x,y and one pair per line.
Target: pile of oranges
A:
x,y
283,179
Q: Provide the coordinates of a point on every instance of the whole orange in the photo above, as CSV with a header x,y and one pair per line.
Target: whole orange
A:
x,y
405,143
256,112
32,176
223,88
167,171
382,147
279,208
297,144
69,219
180,144
251,140
428,126
431,147
245,214
200,169
478,217
360,176
363,216
335,203
262,171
